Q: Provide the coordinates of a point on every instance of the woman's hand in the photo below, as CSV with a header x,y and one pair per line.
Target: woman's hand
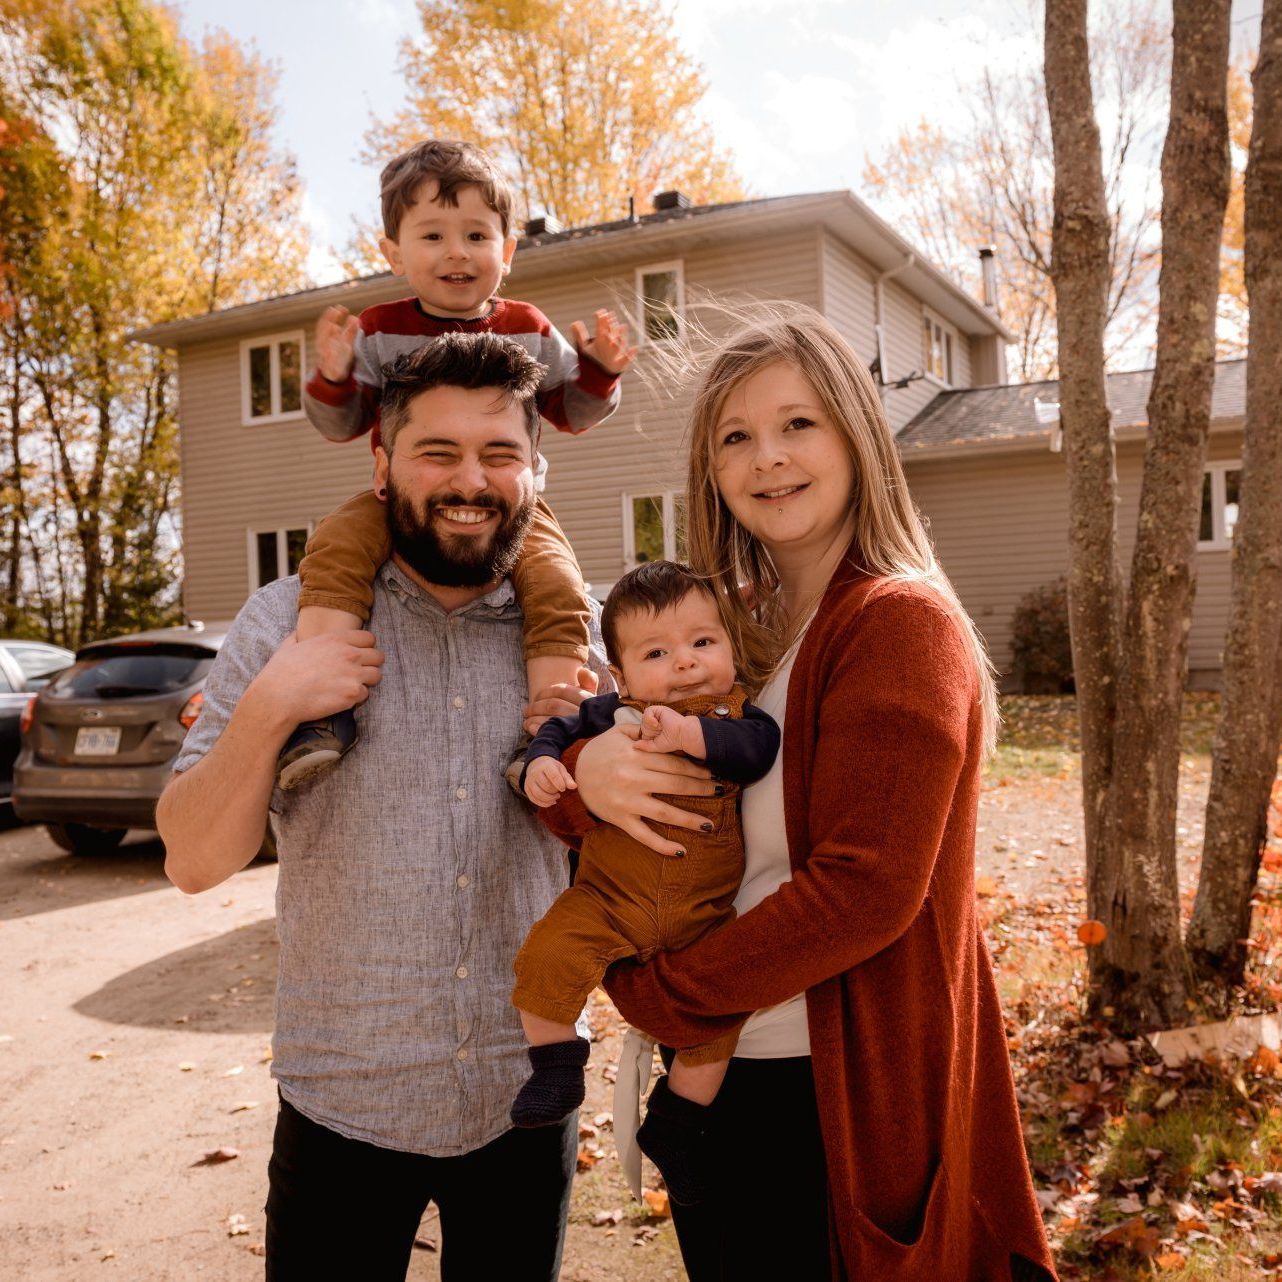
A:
x,y
618,782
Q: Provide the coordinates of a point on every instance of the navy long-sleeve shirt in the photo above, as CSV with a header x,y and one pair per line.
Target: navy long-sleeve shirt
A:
x,y
739,750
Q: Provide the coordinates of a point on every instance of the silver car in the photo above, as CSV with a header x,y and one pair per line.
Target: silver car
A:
x,y
100,738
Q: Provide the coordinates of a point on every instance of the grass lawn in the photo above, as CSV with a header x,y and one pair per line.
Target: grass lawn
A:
x,y
1143,1171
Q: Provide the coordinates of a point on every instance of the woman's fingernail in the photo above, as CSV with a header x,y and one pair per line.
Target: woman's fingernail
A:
x,y
680,854
718,791
707,827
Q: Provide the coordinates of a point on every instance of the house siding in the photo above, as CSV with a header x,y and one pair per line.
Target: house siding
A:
x,y
1000,528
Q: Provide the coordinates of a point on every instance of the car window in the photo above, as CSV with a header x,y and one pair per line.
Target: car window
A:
x,y
6,686
37,660
121,674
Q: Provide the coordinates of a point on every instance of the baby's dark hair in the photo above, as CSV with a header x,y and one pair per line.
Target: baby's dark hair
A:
x,y
649,588
453,165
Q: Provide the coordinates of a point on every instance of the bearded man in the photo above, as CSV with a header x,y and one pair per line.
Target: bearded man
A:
x,y
410,875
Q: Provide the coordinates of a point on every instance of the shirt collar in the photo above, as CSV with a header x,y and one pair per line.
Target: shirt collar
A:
x,y
500,603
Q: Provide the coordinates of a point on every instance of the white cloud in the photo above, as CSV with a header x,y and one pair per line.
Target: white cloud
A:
x,y
396,16
322,262
819,114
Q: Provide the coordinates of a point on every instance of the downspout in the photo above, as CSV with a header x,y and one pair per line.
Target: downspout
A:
x,y
878,308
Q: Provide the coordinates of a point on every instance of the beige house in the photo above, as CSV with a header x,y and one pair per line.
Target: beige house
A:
x,y
983,467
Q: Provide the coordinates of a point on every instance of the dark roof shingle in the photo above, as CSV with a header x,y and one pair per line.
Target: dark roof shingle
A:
x,y
1007,412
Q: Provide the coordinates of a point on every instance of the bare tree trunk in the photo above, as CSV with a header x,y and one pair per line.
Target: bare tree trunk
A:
x,y
1246,741
1080,273
1145,971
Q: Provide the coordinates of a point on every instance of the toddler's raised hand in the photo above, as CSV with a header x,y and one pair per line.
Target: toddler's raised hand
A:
x,y
545,780
336,343
609,346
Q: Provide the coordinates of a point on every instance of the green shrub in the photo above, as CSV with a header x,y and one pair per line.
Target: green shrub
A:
x,y
1042,649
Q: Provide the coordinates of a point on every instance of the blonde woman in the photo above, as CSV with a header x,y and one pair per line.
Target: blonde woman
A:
x,y
867,1127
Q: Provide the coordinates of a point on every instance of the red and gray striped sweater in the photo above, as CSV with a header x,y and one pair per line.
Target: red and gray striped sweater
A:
x,y
576,393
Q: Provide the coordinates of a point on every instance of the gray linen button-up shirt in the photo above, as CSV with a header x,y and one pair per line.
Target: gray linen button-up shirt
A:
x,y
409,876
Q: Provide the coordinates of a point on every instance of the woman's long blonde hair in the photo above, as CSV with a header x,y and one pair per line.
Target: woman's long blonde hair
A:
x,y
889,533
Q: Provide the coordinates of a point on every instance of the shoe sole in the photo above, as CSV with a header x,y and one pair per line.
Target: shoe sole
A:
x,y
302,769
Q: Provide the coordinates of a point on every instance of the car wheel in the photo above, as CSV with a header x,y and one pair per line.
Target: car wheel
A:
x,y
81,839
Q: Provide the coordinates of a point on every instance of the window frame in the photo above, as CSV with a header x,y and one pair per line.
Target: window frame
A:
x,y
950,339
273,343
669,499
1218,472
282,547
677,266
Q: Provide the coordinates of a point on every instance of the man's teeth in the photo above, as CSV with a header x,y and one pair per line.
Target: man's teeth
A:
x,y
465,518
778,494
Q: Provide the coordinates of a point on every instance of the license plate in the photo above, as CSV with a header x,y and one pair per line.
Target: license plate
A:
x,y
97,741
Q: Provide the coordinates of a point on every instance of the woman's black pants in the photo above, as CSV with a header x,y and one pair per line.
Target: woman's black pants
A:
x,y
768,1214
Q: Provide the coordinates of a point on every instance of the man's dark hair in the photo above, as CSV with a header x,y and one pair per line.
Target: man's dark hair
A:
x,y
453,165
469,361
651,587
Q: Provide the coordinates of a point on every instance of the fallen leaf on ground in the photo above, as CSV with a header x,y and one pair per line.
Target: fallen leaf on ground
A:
x,y
244,1106
1169,1260
214,1156
985,887
235,1072
237,1226
602,1218
186,1066
99,1054
656,1203
1091,933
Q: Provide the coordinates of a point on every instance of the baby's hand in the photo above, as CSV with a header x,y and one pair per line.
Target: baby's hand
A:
x,y
609,346
663,730
545,780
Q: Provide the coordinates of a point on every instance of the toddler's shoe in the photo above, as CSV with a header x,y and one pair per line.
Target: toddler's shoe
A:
x,y
674,1136
555,1088
314,747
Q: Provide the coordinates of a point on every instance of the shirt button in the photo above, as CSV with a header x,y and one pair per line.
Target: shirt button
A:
x,y
461,793
462,1052
461,972
459,701
464,881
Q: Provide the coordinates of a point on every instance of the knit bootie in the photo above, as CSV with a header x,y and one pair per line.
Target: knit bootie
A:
x,y
555,1088
674,1136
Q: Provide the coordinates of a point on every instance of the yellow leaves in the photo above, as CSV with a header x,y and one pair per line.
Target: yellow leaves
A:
x,y
986,887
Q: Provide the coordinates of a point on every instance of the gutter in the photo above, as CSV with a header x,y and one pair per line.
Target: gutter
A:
x,y
878,310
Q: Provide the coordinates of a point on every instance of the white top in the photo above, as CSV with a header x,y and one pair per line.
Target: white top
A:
x,y
778,1031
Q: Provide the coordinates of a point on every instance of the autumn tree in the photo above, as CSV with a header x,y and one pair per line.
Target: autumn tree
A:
x,y
1233,294
149,189
988,179
583,103
1132,648
1245,755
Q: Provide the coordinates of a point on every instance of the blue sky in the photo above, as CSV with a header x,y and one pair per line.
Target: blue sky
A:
x,y
801,90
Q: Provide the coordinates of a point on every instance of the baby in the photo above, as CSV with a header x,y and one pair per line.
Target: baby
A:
x,y
672,659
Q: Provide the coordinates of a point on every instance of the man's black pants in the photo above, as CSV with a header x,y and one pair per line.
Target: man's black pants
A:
x,y
340,1208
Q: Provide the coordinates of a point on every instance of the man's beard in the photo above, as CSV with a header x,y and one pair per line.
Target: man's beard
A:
x,y
463,561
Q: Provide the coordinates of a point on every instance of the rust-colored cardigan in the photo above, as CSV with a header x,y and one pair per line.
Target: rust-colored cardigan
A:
x,y
882,753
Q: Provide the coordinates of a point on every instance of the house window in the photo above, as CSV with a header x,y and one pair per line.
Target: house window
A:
x,y
660,302
1221,487
654,527
271,378
937,342
273,554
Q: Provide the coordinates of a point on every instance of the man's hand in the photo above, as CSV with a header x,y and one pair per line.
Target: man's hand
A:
x,y
305,680
609,346
558,701
545,780
336,343
665,730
